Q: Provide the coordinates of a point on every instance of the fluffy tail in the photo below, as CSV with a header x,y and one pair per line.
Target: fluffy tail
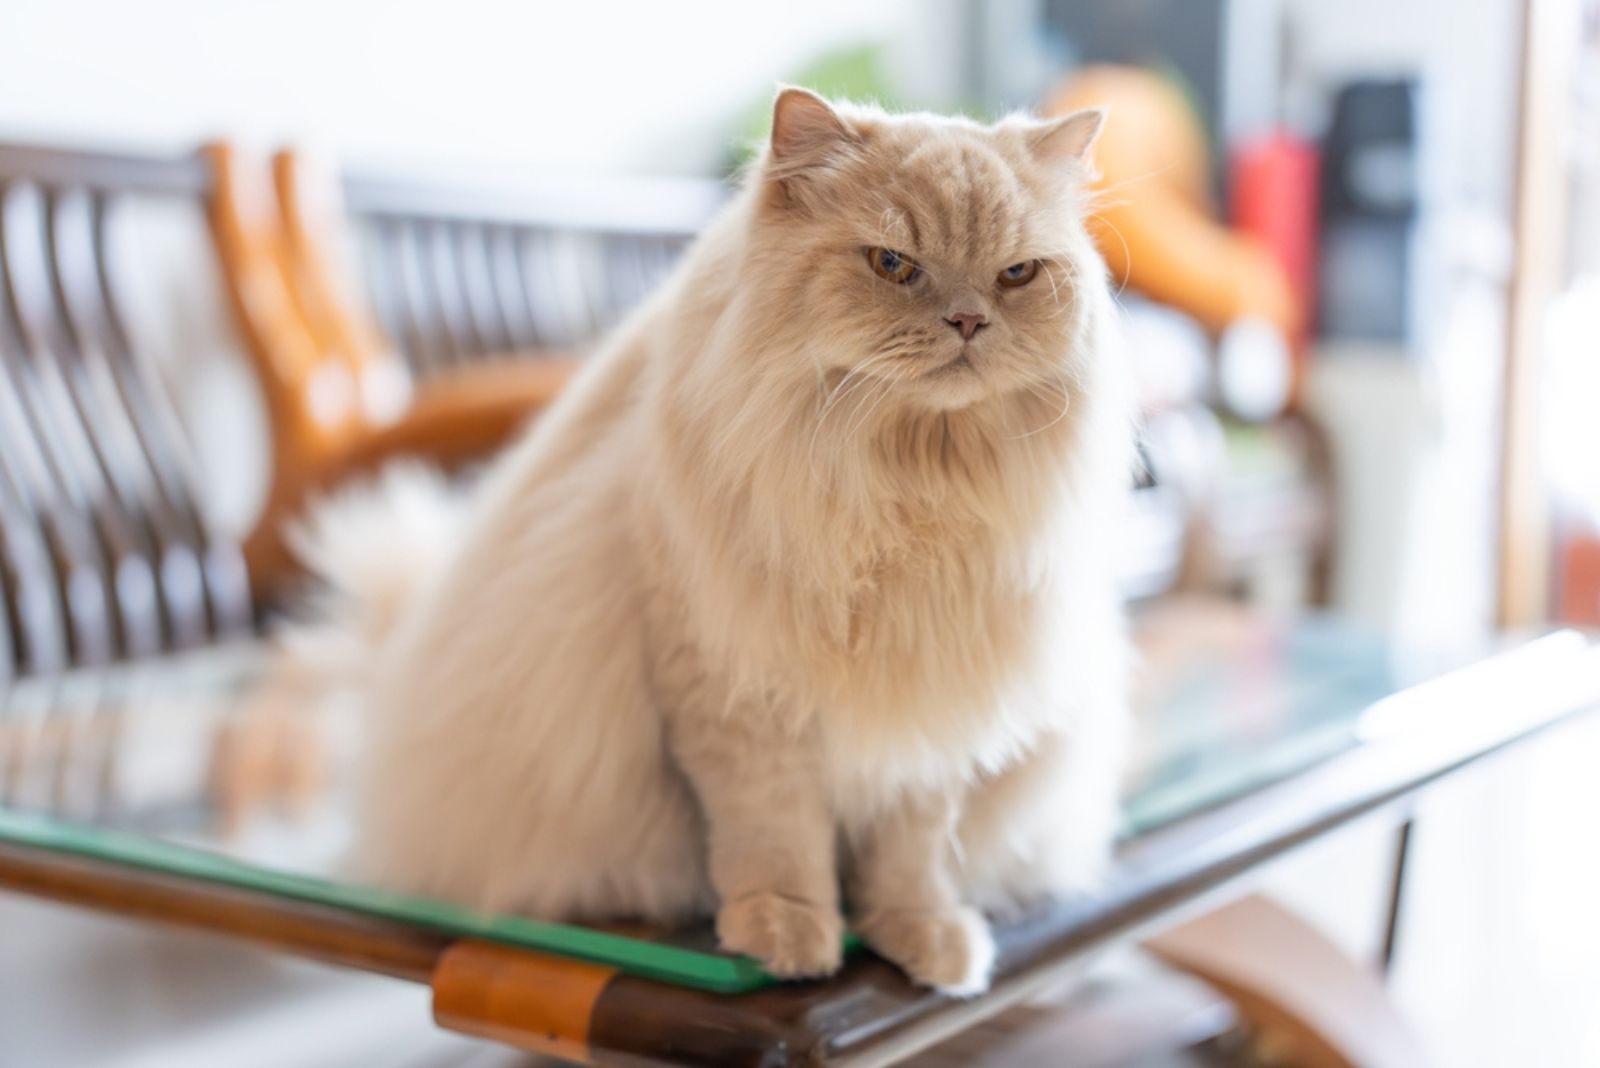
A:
x,y
369,548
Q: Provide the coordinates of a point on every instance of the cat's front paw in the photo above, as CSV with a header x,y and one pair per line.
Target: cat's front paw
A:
x,y
949,949
792,938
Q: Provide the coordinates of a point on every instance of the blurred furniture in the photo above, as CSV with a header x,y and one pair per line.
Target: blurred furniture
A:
x,y
1151,217
1570,365
1556,90
108,553
477,304
109,560
1254,741
1246,470
488,296
1371,176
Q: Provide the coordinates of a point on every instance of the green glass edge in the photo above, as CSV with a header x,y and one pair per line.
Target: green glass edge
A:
x,y
635,956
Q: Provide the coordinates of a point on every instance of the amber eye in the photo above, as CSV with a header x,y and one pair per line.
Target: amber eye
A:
x,y
891,266
1018,274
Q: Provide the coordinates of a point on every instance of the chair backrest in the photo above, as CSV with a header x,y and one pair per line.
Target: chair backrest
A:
x,y
462,273
475,304
105,550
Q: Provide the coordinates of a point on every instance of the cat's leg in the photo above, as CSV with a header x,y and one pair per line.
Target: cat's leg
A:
x,y
1044,827
770,833
906,903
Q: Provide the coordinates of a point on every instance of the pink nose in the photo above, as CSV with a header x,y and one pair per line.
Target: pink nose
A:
x,y
968,323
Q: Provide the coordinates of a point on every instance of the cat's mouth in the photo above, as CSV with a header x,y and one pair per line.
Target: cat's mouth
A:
x,y
956,366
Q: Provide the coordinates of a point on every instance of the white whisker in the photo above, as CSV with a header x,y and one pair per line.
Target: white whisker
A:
x,y
1066,403
852,382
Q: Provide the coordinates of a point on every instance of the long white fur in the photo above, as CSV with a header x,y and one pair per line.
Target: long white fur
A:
x,y
918,578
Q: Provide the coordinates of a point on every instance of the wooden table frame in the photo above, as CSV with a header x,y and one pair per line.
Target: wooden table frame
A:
x,y
869,1014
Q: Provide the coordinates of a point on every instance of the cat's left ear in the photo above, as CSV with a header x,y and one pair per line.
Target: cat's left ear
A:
x,y
1068,139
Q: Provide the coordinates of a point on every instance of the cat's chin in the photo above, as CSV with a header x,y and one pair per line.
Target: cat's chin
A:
x,y
952,386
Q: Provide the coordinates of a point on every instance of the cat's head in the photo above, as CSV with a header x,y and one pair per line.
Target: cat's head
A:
x,y
937,260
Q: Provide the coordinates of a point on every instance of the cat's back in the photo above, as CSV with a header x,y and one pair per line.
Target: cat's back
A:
x,y
543,591
513,717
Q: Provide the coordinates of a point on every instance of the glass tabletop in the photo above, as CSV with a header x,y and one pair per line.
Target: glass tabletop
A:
x,y
1227,705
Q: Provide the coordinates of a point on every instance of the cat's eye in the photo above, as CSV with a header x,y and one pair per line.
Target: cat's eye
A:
x,y
892,266
1018,274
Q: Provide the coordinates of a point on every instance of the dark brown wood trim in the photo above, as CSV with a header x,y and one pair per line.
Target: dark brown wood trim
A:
x,y
320,932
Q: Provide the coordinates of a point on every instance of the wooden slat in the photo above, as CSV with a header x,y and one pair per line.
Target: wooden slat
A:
x,y
1550,33
320,932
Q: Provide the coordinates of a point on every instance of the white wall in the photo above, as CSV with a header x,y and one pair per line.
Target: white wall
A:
x,y
578,86
493,89
1466,49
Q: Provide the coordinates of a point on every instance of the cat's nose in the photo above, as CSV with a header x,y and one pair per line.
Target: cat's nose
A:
x,y
968,323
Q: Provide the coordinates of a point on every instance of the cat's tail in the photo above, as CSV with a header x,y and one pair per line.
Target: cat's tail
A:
x,y
369,549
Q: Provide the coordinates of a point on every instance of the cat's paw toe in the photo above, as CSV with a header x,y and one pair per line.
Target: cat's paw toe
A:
x,y
792,938
948,949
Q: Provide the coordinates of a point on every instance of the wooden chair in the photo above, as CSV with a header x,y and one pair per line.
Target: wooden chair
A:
x,y
109,550
108,555
470,331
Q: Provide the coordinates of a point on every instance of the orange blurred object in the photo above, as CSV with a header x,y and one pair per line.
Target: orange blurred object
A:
x,y
1154,221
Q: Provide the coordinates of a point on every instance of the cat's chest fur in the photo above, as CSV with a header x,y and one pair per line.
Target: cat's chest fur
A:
x,y
939,592
924,663
899,610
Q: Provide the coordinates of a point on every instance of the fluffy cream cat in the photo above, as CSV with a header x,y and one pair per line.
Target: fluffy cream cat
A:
x,y
805,585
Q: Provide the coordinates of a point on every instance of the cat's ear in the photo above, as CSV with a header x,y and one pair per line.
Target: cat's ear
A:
x,y
1068,139
806,129
809,141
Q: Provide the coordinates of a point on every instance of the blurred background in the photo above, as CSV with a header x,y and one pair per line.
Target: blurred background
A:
x,y
251,249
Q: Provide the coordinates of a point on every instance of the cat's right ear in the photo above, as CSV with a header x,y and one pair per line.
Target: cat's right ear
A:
x,y
806,128
807,136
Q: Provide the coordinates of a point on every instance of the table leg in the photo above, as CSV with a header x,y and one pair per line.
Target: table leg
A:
x,y
1397,886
